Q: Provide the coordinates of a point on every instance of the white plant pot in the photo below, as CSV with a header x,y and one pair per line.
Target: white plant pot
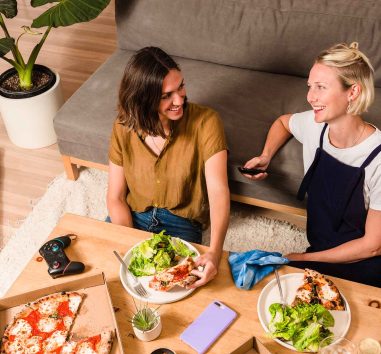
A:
x,y
152,334
29,121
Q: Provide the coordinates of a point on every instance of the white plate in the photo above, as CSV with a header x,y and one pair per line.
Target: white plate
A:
x,y
290,283
155,297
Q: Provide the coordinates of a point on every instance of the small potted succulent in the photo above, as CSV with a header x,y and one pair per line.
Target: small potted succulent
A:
x,y
146,322
30,94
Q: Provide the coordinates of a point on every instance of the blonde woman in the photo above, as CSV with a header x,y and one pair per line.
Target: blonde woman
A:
x,y
342,164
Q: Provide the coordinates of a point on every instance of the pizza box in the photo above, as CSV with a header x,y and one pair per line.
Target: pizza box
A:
x,y
96,311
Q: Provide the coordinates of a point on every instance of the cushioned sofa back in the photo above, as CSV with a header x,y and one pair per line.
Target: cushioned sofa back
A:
x,y
277,36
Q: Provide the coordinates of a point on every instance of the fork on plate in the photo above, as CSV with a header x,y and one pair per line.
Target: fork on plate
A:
x,y
282,300
135,283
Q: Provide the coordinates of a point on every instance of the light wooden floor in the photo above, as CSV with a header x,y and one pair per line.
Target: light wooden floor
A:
x,y
75,52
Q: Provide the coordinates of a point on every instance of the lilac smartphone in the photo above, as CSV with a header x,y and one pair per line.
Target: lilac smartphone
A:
x,y
207,327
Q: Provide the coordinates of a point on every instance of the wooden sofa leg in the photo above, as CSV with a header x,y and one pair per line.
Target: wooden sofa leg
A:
x,y
71,169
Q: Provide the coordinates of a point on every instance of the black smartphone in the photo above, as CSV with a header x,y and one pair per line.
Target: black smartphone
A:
x,y
250,171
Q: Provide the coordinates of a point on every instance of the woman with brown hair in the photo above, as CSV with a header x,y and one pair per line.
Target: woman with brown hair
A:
x,y
168,158
342,164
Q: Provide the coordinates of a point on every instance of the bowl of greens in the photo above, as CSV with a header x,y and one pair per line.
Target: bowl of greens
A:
x,y
151,256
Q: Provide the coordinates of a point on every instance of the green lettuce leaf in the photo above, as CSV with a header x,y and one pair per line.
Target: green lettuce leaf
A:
x,y
159,240
307,337
146,250
140,266
324,316
180,248
162,260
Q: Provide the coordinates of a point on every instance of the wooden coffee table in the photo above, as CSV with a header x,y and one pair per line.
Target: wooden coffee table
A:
x,y
94,246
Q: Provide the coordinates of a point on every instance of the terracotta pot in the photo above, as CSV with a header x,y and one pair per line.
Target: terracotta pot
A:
x,y
29,119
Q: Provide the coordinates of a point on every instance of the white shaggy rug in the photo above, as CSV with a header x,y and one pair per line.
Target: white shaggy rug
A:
x,y
87,196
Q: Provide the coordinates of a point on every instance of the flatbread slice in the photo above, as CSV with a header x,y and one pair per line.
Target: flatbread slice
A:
x,y
177,275
318,289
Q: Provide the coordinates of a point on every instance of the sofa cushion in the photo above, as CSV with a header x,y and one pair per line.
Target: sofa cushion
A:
x,y
267,35
83,124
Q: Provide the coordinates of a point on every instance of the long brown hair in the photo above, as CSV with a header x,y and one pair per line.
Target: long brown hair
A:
x,y
141,90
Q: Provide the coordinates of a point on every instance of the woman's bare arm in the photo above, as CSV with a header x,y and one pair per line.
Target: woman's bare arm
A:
x,y
117,206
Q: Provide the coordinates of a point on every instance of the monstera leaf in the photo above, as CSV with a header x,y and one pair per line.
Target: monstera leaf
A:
x,y
68,12
8,8
6,45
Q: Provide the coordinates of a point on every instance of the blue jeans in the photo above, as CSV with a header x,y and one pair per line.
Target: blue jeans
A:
x,y
157,219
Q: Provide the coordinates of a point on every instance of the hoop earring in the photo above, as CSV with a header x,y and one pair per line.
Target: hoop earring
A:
x,y
349,106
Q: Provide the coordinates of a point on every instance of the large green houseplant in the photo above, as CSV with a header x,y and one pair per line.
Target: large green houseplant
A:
x,y
26,80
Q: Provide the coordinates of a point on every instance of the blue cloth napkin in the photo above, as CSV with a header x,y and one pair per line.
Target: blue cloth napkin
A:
x,y
248,268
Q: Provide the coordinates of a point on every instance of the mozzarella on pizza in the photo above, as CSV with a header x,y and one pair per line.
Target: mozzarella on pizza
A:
x,y
20,328
55,341
47,324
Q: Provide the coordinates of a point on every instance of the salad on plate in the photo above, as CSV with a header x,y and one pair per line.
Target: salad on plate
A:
x,y
304,325
157,254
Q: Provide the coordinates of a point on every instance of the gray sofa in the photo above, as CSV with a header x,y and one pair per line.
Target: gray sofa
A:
x,y
248,59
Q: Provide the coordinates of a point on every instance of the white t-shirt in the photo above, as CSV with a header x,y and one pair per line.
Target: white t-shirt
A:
x,y
307,131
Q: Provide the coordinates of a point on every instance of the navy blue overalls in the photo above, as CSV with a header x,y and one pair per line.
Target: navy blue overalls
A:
x,y
336,214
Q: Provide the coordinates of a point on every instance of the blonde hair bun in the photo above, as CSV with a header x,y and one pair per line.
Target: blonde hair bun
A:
x,y
354,45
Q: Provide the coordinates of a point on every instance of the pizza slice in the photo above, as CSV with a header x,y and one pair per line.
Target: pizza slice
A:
x,y
177,275
317,289
98,344
43,325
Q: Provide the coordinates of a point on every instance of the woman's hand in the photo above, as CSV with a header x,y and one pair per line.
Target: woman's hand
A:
x,y
209,261
259,162
277,136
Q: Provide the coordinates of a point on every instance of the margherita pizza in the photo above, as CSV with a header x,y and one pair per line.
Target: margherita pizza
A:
x,y
43,326
317,289
177,275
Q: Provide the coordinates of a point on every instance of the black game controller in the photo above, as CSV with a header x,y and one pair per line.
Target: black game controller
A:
x,y
54,255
